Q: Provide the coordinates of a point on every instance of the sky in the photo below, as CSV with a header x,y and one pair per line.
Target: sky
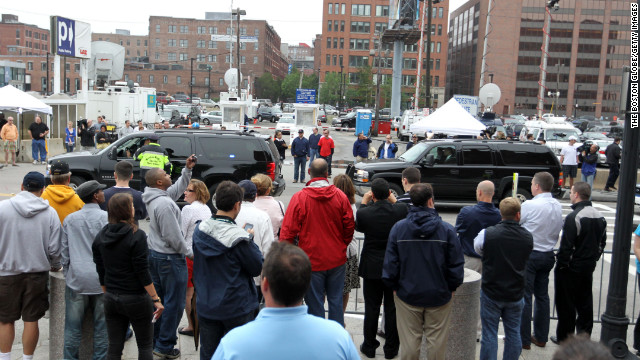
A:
x,y
296,21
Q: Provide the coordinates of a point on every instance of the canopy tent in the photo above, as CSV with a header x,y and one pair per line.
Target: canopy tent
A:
x,y
18,101
451,119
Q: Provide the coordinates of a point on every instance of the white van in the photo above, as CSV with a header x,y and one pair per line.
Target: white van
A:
x,y
404,123
556,135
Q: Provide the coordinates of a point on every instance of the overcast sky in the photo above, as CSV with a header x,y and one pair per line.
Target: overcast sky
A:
x,y
295,21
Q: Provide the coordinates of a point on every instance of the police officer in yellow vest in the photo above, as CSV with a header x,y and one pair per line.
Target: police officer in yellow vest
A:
x,y
152,155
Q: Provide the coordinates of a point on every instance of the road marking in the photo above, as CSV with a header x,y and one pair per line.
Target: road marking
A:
x,y
7,195
632,258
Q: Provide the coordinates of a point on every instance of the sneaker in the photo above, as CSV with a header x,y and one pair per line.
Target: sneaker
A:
x,y
35,162
614,188
606,189
172,354
43,162
295,181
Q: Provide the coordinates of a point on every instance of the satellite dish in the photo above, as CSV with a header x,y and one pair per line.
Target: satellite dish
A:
x,y
106,63
231,77
490,95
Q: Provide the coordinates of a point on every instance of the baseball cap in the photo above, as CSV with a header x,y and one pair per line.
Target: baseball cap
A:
x,y
300,131
89,188
249,188
33,181
153,137
59,167
573,138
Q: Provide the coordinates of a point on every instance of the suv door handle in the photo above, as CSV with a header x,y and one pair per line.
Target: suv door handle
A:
x,y
454,171
488,172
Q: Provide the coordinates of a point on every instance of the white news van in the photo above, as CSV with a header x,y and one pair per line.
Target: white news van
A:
x,y
555,134
119,102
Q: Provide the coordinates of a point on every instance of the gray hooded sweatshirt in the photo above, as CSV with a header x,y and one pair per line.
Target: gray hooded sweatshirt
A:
x,y
30,235
165,235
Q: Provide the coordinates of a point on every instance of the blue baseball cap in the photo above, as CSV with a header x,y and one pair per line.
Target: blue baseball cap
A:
x,y
33,181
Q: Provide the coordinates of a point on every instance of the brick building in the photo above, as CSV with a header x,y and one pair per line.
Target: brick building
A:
x,y
18,39
301,56
350,31
589,44
136,46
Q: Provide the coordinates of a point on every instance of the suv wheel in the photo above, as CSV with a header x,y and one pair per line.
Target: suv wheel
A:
x,y
345,126
76,181
260,118
522,195
395,189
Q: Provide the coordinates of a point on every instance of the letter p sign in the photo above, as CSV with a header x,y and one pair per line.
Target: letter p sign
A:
x,y
66,44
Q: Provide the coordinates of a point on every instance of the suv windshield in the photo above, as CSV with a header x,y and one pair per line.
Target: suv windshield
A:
x,y
413,154
560,134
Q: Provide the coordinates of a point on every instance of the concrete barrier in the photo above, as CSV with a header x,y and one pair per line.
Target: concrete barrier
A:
x,y
57,286
465,313
54,147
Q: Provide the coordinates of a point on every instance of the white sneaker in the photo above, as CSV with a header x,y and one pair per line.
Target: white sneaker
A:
x,y
35,162
43,162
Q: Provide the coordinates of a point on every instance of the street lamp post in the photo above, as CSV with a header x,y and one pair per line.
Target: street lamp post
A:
x,y
341,83
191,81
209,67
238,12
575,96
557,86
377,110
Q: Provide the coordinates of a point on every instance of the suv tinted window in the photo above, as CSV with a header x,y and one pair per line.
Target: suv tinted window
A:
x,y
129,147
177,147
444,154
476,155
523,156
231,149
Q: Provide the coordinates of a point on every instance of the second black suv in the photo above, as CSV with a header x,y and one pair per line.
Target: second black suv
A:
x,y
455,167
222,155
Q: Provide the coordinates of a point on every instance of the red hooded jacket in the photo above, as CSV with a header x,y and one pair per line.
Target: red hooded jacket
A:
x,y
321,216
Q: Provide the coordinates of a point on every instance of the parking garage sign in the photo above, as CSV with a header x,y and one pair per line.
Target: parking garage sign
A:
x,y
306,96
70,37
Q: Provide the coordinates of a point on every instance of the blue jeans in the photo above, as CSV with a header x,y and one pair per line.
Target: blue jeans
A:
x,y
37,147
69,147
589,180
313,154
299,162
169,274
212,331
76,305
330,282
490,313
537,284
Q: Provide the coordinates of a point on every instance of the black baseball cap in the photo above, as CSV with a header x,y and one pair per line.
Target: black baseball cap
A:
x,y
153,137
59,167
249,188
33,181
300,131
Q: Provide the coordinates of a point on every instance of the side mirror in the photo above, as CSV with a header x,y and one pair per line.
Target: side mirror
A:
x,y
429,160
113,154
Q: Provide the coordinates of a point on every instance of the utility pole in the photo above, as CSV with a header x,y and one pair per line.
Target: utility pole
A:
x,y
238,12
427,81
341,83
209,67
558,86
48,79
372,53
64,75
575,97
191,81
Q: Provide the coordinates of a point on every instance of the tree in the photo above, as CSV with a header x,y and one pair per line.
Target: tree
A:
x,y
330,90
290,84
365,91
267,87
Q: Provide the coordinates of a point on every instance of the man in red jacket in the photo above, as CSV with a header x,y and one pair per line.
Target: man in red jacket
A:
x,y
323,239
326,148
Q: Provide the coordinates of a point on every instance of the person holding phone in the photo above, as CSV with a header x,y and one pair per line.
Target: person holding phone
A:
x,y
120,253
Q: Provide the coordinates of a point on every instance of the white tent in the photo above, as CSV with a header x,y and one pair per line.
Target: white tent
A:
x,y
451,119
18,101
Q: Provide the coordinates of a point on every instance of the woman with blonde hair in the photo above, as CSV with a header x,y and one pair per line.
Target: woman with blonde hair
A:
x,y
197,196
351,278
265,202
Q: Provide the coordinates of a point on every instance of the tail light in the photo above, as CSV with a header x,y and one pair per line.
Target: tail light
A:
x,y
601,152
561,180
271,170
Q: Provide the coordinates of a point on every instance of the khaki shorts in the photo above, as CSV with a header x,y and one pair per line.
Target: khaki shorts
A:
x,y
10,145
24,296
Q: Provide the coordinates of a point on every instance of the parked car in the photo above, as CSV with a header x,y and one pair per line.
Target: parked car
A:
x,y
165,99
182,97
222,155
189,113
211,118
270,113
513,130
285,124
209,104
346,121
611,131
454,178
171,115
321,116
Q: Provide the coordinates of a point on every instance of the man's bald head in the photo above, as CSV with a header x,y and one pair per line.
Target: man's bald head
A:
x,y
319,168
153,176
485,191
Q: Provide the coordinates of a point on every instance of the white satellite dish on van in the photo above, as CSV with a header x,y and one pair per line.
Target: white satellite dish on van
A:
x,y
489,95
231,77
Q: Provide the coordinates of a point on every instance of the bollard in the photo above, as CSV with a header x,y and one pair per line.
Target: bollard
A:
x,y
463,326
57,285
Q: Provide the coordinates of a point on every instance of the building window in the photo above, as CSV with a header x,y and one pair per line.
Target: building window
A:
x,y
361,10
243,31
330,8
43,66
206,81
200,44
335,60
67,67
359,44
335,43
151,78
213,44
221,82
410,64
343,9
243,46
438,47
157,27
437,82
178,79
128,43
341,26
121,43
439,29
360,27
184,29
382,10
255,59
172,28
437,64
43,83
193,80
184,43
145,53
358,60
172,42
30,65
157,56
411,48
201,29
200,57
255,46
340,62
138,78
212,58
440,12
145,43
242,60
342,43
327,60
329,25
408,80
157,42
228,59
381,27
76,67
184,56
256,32
329,43
165,79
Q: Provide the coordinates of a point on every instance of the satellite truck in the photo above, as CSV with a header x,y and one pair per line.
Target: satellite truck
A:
x,y
116,100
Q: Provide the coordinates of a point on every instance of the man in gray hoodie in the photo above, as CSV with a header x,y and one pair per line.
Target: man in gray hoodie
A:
x,y
167,250
29,247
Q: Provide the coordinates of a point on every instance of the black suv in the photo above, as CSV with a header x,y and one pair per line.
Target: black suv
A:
x,y
455,167
272,113
345,121
222,155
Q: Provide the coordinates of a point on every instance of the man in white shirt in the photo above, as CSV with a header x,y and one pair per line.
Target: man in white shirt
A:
x,y
125,130
259,219
542,217
569,161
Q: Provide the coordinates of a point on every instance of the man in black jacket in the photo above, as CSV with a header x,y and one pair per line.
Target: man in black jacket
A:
x,y
505,250
375,221
584,236
613,154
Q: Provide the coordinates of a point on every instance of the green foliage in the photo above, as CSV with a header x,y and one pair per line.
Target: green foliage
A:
x,y
267,87
289,85
330,90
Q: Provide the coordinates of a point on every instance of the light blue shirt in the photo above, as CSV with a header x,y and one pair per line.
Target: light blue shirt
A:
x,y
542,216
287,333
78,232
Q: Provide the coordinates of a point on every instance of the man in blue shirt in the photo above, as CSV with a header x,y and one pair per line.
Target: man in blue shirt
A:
x,y
286,276
472,219
313,144
300,153
361,148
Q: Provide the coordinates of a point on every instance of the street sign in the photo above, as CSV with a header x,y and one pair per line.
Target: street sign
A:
x,y
306,96
70,37
469,103
289,69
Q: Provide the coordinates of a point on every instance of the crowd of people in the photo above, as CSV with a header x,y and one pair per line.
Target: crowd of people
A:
x,y
275,267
